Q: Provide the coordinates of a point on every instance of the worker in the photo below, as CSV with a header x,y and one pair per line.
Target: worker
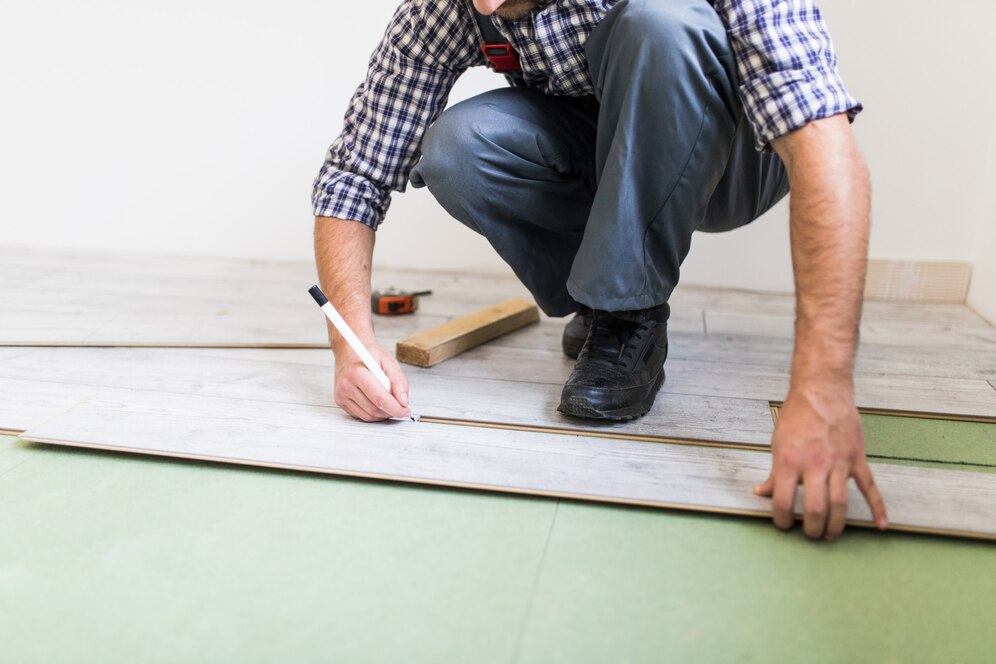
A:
x,y
630,124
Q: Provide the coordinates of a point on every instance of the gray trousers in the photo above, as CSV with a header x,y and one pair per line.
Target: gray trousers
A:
x,y
595,203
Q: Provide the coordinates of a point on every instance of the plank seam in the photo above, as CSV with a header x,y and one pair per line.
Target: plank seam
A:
x,y
565,431
922,460
923,415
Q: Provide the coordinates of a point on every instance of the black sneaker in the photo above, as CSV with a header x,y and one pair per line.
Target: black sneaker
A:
x,y
620,367
576,331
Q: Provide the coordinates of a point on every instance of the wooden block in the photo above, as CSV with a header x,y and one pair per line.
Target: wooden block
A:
x,y
441,343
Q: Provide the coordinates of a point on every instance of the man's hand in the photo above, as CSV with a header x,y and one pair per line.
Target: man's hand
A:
x,y
358,393
818,439
343,254
818,443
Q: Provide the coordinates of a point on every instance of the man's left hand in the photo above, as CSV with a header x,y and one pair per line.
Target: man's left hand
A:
x,y
818,443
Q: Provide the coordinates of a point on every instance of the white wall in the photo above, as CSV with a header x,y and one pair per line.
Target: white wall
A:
x,y
197,127
982,293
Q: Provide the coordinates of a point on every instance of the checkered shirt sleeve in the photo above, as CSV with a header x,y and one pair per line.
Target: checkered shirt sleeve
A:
x,y
786,64
426,47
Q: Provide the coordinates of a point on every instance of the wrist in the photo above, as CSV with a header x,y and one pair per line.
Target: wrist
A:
x,y
361,326
822,390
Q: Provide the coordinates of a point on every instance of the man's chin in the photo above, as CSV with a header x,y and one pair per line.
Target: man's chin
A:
x,y
515,10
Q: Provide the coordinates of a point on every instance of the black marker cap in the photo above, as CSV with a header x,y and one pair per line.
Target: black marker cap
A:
x,y
319,296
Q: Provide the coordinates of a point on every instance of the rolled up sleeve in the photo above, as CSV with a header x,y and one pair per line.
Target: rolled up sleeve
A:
x,y
426,47
786,64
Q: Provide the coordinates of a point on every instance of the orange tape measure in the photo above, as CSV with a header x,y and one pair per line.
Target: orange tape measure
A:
x,y
393,302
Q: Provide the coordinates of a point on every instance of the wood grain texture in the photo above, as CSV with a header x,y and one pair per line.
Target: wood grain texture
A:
x,y
432,346
36,383
324,440
875,329
950,396
923,361
111,299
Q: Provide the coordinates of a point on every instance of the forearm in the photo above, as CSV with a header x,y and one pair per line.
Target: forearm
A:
x,y
829,225
343,256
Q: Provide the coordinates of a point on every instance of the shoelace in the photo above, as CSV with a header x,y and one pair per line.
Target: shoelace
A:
x,y
611,340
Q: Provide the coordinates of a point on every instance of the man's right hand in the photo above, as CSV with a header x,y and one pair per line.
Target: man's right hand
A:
x,y
343,254
358,392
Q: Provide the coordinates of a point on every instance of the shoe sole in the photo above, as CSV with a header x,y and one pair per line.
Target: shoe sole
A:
x,y
580,408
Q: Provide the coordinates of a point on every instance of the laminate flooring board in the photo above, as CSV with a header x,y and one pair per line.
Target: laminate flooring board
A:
x,y
110,299
305,376
728,299
125,299
36,383
227,279
782,305
325,440
950,396
718,321
102,320
923,361
929,334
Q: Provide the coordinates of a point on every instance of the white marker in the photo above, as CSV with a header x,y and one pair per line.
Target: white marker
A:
x,y
353,341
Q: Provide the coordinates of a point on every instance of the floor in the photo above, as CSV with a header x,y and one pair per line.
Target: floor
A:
x,y
110,556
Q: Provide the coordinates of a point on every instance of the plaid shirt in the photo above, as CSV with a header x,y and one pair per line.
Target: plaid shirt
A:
x,y
785,61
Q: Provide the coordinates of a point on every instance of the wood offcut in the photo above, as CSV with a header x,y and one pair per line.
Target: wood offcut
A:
x,y
450,339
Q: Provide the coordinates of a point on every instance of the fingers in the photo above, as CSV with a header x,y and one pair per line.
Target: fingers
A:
x,y
766,488
866,483
399,382
372,395
814,503
362,412
783,502
837,502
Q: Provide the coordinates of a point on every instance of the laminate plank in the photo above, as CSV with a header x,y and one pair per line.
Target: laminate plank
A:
x,y
101,320
931,334
324,440
36,383
782,305
924,361
99,298
723,322
225,279
952,396
949,396
729,299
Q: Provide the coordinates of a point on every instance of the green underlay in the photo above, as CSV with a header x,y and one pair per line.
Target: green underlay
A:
x,y
114,557
965,445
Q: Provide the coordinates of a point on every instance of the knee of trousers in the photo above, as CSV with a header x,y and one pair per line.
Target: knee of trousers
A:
x,y
676,39
457,146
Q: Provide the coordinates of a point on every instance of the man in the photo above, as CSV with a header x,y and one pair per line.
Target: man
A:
x,y
633,124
